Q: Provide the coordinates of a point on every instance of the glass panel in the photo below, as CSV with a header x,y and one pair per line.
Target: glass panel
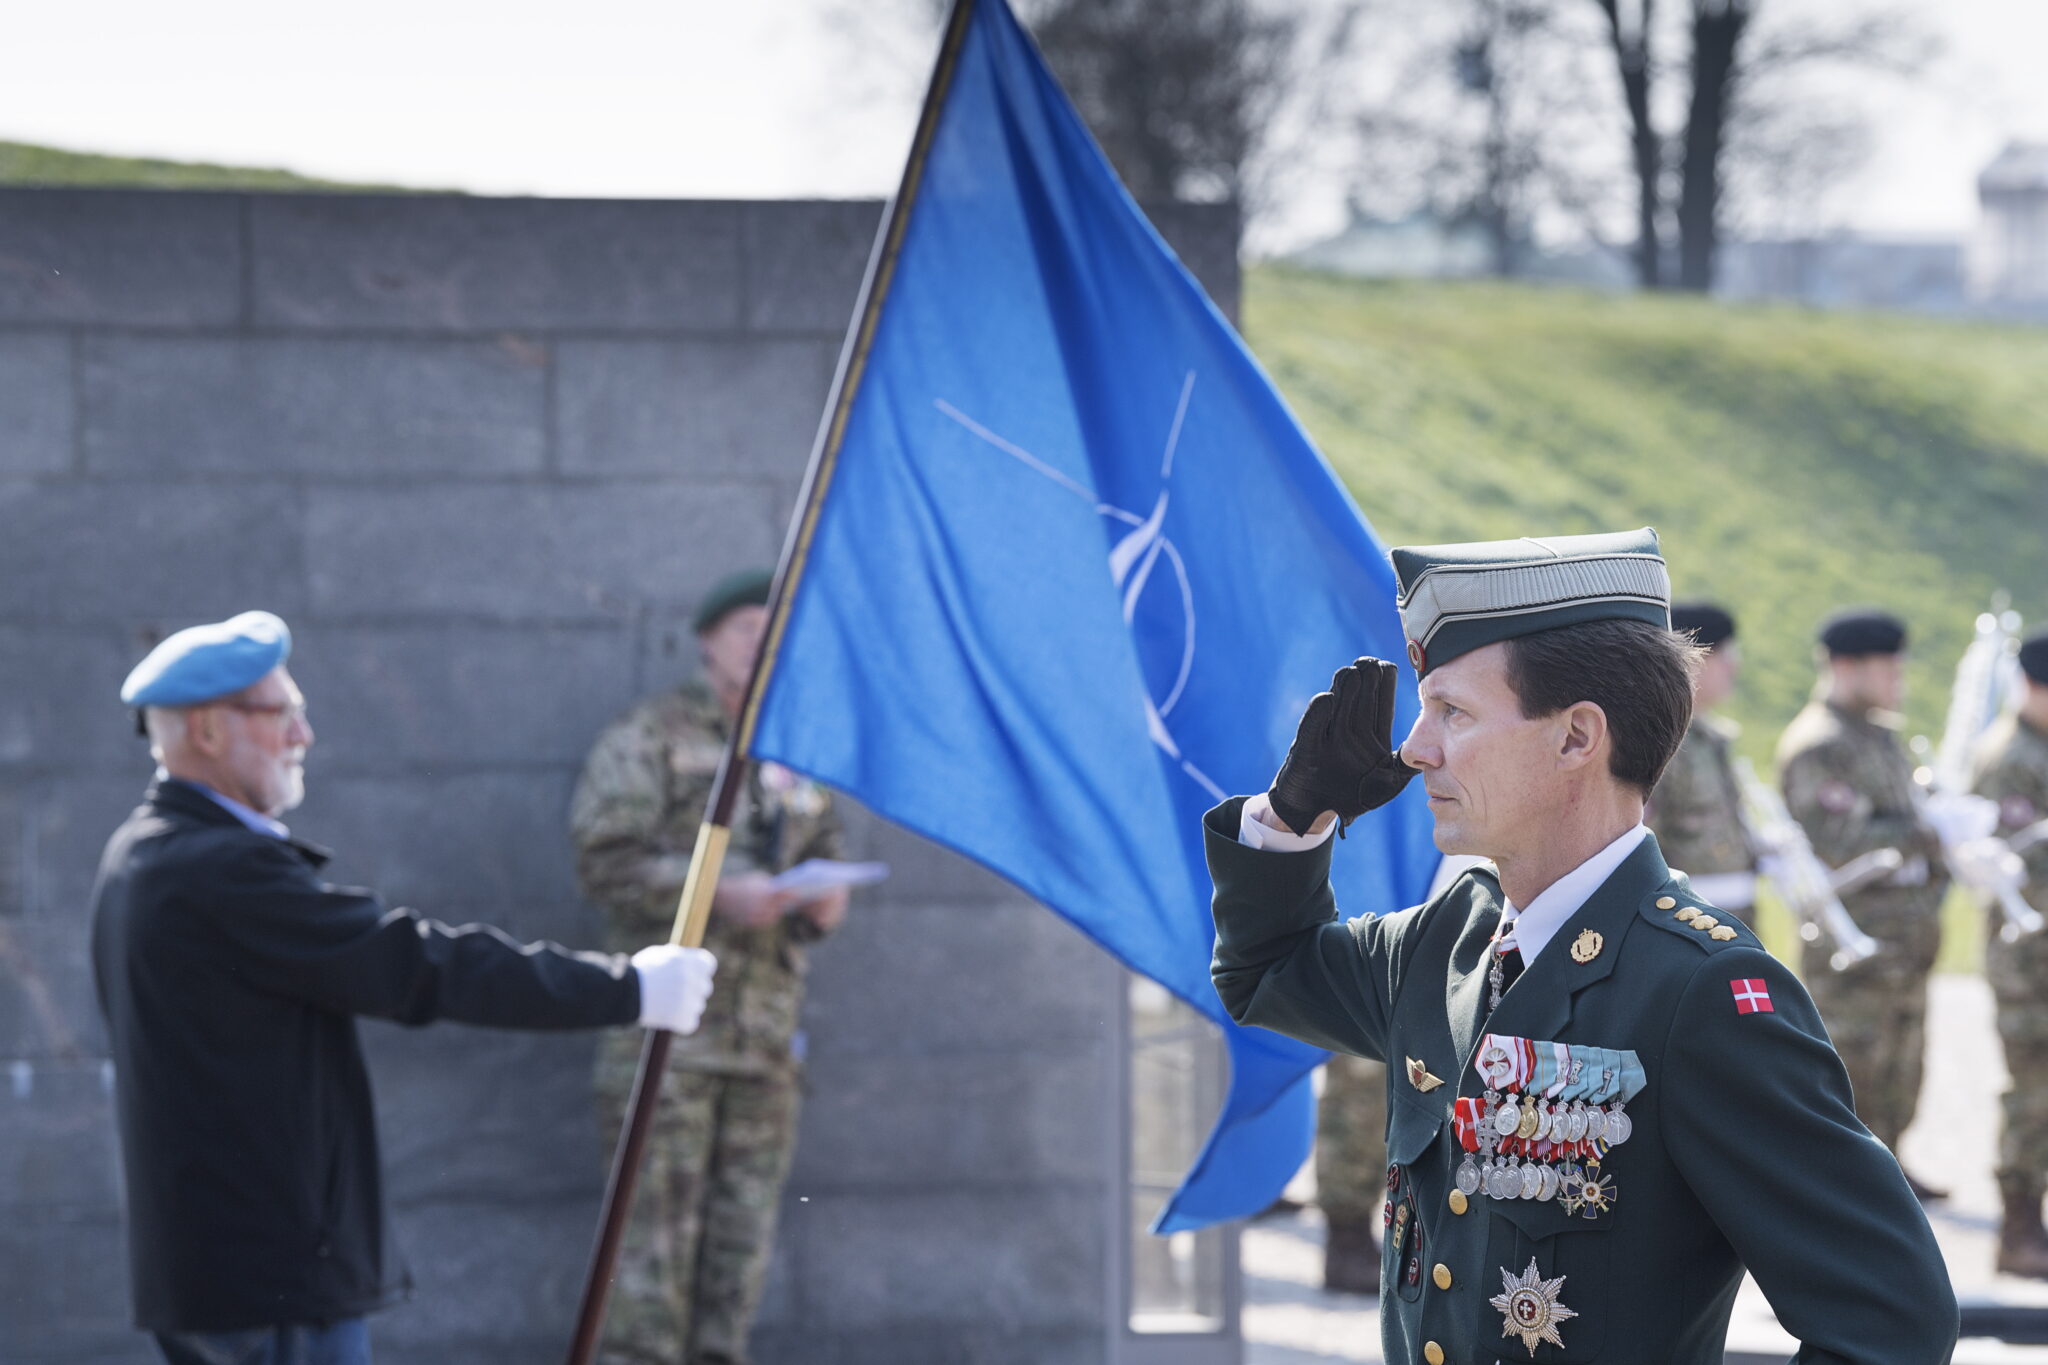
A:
x,y
1176,1282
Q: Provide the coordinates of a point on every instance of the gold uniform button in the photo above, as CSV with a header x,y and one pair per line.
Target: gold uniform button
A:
x,y
1458,1201
1665,903
1433,1353
1442,1275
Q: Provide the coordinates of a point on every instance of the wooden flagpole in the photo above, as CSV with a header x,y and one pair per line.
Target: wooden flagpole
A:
x,y
693,909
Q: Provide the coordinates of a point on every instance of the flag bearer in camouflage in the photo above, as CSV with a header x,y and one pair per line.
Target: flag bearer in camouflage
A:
x,y
697,1248
1849,783
1696,811
2012,769
1351,1171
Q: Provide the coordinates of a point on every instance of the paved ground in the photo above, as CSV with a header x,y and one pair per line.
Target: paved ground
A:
x,y
1288,1320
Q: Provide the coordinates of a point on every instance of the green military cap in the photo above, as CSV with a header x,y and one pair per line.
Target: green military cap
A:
x,y
1458,598
746,588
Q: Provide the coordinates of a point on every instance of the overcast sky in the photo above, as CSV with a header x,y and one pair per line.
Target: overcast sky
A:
x,y
711,98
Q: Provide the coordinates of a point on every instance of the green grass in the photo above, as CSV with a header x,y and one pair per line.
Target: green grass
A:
x,y
22,163
1794,462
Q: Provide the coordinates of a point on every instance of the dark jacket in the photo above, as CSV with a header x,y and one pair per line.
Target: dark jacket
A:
x,y
1746,1151
229,974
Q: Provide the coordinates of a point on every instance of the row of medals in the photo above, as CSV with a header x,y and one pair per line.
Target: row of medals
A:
x,y
1559,1175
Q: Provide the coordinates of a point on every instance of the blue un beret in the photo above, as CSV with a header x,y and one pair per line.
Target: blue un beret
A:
x,y
200,663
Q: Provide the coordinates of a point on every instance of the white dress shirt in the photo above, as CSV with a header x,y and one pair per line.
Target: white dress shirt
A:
x,y
1528,928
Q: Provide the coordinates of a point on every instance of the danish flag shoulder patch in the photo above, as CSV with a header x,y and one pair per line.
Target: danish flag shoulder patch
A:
x,y
1752,995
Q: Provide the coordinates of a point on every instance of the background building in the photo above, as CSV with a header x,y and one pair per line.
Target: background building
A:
x,y
2009,256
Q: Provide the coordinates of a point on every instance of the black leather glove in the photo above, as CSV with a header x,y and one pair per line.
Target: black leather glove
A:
x,y
1343,757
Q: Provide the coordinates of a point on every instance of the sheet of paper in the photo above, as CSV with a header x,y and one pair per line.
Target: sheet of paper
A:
x,y
822,874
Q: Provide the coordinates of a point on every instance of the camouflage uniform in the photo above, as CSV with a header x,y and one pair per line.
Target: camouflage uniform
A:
x,y
2012,769
1696,812
1351,1139
697,1247
1849,784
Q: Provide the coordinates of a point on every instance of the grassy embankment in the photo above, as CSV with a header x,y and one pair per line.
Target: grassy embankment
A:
x,y
23,163
1793,461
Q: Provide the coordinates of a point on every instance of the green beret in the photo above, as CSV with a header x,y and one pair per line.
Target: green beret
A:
x,y
1458,598
1862,630
747,588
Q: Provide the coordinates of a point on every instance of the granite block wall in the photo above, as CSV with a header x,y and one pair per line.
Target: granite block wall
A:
x,y
483,454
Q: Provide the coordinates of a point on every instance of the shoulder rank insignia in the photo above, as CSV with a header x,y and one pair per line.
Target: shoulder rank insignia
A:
x,y
1587,946
1419,1077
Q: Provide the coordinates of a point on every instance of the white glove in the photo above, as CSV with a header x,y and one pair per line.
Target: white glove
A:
x,y
674,984
1987,864
1959,817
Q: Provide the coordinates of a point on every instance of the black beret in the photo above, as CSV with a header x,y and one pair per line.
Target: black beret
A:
x,y
747,588
1862,630
1708,624
2034,657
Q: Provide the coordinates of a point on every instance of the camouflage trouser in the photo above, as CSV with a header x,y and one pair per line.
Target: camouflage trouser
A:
x,y
697,1246
1351,1139
2019,983
1876,1014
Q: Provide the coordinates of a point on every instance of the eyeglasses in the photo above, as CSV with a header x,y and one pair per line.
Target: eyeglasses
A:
x,y
285,711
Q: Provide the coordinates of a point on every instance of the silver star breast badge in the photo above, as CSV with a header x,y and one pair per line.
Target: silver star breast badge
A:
x,y
1530,1306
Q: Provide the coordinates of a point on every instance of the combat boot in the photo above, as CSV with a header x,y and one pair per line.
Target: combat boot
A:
x,y
2022,1241
1351,1257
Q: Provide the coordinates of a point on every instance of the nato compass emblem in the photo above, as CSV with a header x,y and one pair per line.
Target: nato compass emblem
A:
x,y
1162,605
1529,1304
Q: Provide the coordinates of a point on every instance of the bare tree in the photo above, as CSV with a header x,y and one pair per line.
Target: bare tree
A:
x,y
1732,63
1482,122
1629,26
1178,92
1190,99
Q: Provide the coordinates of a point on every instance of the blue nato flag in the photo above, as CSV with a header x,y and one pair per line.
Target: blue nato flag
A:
x,y
1075,575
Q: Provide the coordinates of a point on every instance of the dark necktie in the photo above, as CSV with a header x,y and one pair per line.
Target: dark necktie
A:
x,y
1510,968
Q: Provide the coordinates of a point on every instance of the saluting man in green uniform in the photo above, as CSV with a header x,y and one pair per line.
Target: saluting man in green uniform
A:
x,y
1605,1101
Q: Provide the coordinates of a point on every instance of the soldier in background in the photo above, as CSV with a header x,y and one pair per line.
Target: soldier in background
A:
x,y
1848,782
1351,1171
1696,811
2012,769
697,1248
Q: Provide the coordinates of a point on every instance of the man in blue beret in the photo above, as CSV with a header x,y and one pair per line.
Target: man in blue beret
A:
x,y
230,976
1605,1101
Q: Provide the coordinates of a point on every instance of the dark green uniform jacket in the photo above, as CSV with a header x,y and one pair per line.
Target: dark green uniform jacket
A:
x,y
1745,1152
